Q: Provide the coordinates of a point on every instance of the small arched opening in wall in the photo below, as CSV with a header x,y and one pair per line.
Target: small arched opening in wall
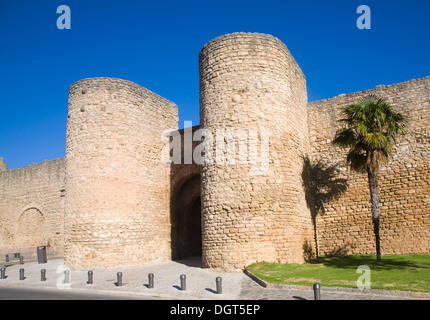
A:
x,y
30,229
186,230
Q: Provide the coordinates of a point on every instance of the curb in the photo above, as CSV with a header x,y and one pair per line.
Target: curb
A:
x,y
160,296
387,293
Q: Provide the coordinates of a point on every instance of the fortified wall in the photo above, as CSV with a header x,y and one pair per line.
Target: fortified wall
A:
x,y
112,202
32,206
344,223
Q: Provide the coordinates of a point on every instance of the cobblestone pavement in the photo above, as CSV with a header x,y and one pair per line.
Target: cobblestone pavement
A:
x,y
200,283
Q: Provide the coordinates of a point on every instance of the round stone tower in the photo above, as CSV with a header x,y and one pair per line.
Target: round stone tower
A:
x,y
117,188
253,97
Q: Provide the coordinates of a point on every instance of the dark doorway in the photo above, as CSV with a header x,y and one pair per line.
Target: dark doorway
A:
x,y
186,230
195,227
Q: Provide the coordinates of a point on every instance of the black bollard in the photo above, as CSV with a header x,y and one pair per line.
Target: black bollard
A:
x,y
119,279
66,276
3,273
41,255
7,258
317,293
150,281
21,260
218,281
183,278
21,274
43,275
90,277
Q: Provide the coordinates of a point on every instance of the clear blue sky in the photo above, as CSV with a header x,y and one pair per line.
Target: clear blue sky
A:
x,y
156,45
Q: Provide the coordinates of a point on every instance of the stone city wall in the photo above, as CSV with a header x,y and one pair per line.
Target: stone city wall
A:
x,y
32,206
344,225
113,202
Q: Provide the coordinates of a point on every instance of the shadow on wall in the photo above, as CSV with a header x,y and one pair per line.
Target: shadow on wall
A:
x,y
322,185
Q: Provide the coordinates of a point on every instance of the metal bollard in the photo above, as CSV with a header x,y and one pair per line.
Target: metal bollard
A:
x,y
7,258
317,293
3,273
218,281
119,279
90,277
21,274
21,260
66,276
150,281
183,278
43,275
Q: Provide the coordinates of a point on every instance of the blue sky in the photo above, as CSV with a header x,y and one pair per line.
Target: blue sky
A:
x,y
156,45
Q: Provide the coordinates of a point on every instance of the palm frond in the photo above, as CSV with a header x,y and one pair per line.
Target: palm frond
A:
x,y
356,160
372,125
344,137
377,141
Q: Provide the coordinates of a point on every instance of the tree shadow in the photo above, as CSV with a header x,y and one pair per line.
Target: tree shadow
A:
x,y
387,263
322,185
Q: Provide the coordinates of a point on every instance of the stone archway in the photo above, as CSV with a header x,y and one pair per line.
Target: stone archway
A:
x,y
186,230
30,229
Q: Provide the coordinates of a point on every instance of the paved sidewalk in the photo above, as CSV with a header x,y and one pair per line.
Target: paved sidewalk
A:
x,y
200,283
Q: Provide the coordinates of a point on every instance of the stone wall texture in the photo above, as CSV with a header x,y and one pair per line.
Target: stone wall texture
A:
x,y
117,199
113,202
344,225
251,82
32,206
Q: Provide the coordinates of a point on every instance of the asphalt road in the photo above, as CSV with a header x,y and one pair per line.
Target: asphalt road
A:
x,y
10,293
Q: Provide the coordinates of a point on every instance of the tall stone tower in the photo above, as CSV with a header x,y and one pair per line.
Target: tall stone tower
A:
x,y
117,188
251,82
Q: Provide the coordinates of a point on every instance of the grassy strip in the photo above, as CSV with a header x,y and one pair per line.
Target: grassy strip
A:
x,y
394,272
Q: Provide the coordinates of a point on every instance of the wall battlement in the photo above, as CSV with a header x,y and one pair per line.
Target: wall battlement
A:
x,y
2,165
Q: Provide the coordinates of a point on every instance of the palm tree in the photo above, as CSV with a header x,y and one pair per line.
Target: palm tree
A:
x,y
370,134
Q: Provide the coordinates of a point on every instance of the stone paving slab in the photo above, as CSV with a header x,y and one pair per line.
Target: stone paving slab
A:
x,y
200,283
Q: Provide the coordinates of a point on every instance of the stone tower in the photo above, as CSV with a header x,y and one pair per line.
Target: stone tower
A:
x,y
249,82
117,188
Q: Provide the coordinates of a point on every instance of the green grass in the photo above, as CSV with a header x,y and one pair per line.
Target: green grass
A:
x,y
394,272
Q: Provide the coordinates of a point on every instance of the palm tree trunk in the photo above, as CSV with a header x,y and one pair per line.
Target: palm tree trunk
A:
x,y
314,221
375,208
